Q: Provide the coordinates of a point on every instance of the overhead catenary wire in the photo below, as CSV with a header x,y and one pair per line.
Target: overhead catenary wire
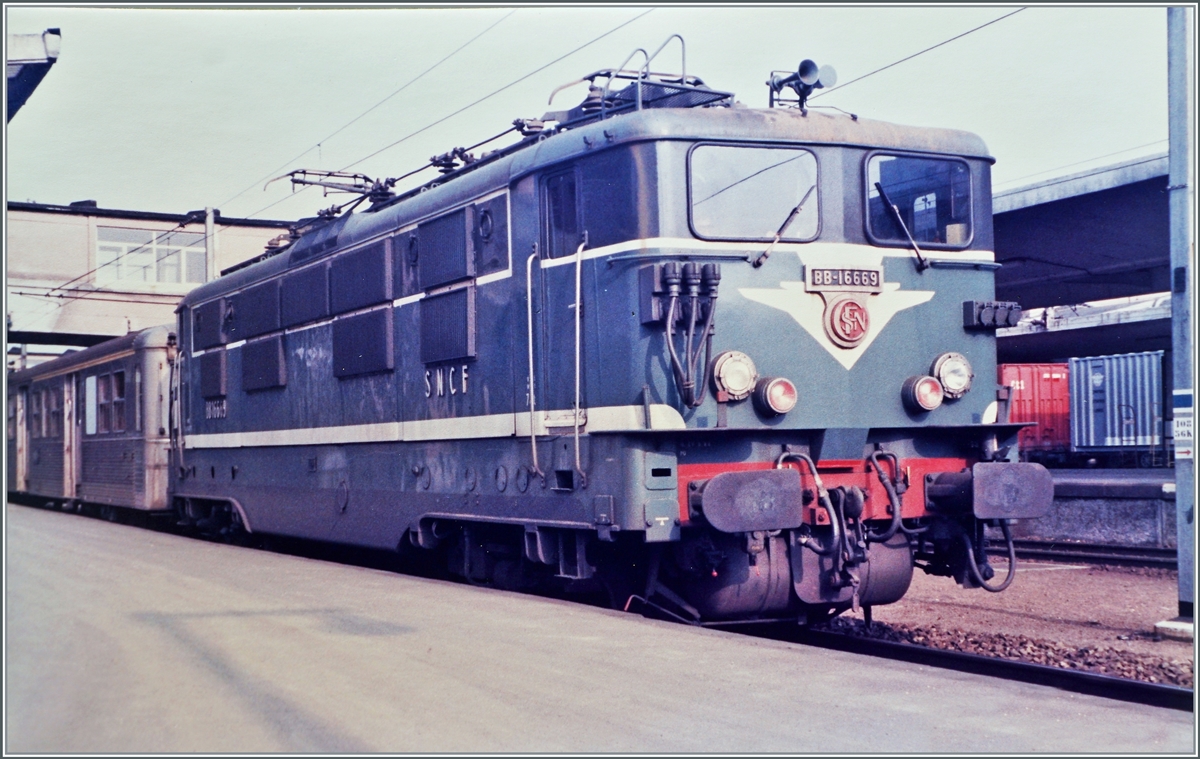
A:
x,y
352,121
62,299
914,55
90,295
487,97
468,106
397,142
158,236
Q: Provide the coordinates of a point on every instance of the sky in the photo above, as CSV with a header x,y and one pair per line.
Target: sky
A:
x,y
178,109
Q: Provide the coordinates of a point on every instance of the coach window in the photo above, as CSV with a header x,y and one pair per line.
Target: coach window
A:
x,y
35,414
55,412
739,192
118,401
103,404
931,196
138,399
89,405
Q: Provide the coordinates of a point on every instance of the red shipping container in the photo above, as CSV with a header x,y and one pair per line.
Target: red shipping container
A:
x,y
1040,393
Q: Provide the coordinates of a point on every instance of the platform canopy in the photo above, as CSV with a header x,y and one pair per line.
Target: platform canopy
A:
x,y
1094,235
30,57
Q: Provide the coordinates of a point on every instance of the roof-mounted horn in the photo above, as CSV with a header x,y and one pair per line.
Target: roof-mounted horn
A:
x,y
806,78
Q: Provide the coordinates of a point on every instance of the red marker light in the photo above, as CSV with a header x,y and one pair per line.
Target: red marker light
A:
x,y
775,395
922,393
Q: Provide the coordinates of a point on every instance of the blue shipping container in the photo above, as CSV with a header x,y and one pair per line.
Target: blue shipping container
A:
x,y
1116,402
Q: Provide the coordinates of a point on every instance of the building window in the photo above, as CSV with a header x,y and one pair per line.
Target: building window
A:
x,y
12,419
140,256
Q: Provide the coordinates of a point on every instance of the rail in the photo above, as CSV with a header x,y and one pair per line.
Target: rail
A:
x,y
1095,553
1076,681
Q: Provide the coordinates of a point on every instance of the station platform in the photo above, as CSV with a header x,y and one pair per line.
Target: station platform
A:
x,y
122,640
1118,507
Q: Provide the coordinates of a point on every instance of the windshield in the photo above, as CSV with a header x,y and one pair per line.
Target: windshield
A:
x,y
746,193
932,195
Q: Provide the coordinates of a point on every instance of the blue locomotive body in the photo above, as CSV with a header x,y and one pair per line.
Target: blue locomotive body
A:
x,y
714,358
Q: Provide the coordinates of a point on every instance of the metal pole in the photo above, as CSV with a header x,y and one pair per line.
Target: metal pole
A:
x,y
210,243
1180,198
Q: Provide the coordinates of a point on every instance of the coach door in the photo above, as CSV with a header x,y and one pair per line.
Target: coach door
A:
x,y
22,440
70,437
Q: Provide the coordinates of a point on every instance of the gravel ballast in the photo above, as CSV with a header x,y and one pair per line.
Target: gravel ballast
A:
x,y
1096,619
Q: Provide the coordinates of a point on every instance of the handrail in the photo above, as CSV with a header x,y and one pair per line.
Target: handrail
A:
x,y
608,82
532,379
682,55
578,322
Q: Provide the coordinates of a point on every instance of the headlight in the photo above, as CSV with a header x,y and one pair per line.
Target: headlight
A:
x,y
734,373
954,372
922,393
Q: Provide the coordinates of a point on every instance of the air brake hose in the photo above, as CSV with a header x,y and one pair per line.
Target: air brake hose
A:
x,y
676,368
705,346
893,498
974,569
710,275
808,541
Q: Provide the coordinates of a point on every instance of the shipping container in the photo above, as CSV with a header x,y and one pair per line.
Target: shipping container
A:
x,y
1116,403
1040,393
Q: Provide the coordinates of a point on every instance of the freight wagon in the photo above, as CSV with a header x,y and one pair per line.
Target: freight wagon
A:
x,y
1092,411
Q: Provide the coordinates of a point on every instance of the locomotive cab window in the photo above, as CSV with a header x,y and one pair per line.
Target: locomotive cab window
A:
x,y
563,228
928,197
740,192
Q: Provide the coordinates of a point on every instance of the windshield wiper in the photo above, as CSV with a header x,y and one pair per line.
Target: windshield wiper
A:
x,y
783,227
922,264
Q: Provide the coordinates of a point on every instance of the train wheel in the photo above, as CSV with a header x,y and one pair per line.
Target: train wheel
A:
x,y
622,573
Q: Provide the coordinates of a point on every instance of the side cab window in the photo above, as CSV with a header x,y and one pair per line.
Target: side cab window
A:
x,y
560,209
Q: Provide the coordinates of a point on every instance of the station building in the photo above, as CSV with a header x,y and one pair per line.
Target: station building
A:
x,y
78,274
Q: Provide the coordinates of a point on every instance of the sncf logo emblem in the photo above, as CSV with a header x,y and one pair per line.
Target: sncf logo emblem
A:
x,y
846,321
831,303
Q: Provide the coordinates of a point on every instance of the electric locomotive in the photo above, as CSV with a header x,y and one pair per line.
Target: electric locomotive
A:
x,y
725,362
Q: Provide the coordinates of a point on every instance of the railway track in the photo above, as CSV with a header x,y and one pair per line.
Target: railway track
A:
x,y
1092,553
1077,681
